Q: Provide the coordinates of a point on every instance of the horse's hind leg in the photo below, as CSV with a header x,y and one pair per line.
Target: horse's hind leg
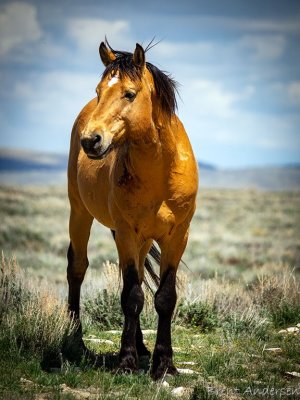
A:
x,y
79,228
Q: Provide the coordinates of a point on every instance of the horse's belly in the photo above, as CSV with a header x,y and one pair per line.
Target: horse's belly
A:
x,y
93,187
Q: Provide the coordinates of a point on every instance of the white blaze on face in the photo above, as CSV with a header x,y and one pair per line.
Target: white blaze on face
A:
x,y
113,81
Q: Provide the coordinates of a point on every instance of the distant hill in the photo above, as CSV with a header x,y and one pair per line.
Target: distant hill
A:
x,y
264,178
23,167
24,160
206,166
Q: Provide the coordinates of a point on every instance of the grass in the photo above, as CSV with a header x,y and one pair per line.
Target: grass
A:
x,y
245,245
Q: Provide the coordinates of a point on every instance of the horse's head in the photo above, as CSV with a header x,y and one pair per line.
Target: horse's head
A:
x,y
124,101
126,95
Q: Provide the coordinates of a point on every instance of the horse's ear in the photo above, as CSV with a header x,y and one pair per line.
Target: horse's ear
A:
x,y
106,55
139,56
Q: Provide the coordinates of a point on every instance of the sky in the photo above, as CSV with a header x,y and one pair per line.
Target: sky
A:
x,y
237,62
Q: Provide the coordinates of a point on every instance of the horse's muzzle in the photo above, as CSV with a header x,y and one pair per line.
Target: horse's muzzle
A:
x,y
93,147
91,144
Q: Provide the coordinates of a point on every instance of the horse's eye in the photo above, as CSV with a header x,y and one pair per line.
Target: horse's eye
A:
x,y
129,95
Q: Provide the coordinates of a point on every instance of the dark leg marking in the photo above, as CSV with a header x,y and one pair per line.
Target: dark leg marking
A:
x,y
75,279
140,346
165,301
75,347
132,301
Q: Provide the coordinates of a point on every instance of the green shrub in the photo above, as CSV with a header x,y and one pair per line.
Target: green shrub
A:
x,y
198,314
21,237
236,324
104,310
229,305
285,314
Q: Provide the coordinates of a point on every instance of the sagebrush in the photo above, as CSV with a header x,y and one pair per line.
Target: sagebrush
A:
x,y
32,318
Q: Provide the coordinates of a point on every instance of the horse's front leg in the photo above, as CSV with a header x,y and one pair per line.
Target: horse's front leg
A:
x,y
132,300
165,301
80,225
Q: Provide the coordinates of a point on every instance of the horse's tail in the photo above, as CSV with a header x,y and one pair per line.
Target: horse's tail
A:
x,y
155,254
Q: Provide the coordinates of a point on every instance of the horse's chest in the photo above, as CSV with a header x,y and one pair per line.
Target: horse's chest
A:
x,y
92,177
113,195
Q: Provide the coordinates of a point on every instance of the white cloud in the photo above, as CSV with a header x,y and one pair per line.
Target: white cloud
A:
x,y
209,98
89,32
57,96
45,106
287,94
247,129
284,25
264,25
293,90
18,25
247,56
183,50
224,141
269,131
264,47
216,118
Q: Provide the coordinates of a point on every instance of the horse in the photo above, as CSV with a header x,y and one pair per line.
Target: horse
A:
x,y
132,168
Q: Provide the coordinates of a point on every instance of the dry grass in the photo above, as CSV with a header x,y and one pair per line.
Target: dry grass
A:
x,y
33,318
233,232
272,300
231,302
278,294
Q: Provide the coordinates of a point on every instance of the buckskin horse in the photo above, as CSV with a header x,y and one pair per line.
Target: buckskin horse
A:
x,y
132,168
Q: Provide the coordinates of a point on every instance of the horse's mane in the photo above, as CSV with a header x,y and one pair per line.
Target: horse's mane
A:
x,y
165,85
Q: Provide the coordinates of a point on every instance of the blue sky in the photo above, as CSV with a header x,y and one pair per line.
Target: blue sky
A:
x,y
237,62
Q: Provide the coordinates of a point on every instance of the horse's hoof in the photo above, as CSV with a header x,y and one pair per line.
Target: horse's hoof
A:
x,y
172,370
163,369
74,350
128,364
126,371
51,361
122,370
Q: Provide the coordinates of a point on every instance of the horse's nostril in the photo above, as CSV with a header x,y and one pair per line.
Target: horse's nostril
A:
x,y
87,144
91,143
97,139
